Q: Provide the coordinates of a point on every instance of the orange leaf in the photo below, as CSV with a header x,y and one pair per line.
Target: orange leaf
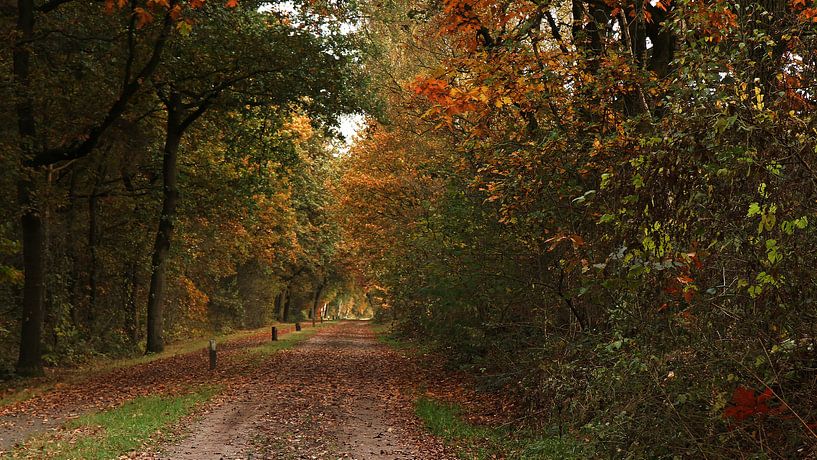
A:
x,y
176,12
231,3
142,17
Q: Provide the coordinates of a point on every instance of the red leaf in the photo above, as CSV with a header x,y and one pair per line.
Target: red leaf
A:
x,y
743,396
747,404
765,396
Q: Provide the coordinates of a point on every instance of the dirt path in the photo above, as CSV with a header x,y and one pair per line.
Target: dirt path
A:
x,y
339,395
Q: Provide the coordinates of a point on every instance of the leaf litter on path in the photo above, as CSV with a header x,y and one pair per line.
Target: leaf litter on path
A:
x,y
341,394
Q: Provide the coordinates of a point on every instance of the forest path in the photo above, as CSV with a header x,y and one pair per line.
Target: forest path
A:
x,y
341,394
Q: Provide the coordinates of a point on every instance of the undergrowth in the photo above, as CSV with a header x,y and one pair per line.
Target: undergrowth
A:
x,y
386,335
445,421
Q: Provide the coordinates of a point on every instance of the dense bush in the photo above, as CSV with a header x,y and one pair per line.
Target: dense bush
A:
x,y
607,209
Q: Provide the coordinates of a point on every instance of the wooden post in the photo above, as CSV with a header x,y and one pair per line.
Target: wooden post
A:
x,y
274,333
297,327
212,349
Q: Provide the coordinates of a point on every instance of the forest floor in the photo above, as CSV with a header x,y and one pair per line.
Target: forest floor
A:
x,y
340,393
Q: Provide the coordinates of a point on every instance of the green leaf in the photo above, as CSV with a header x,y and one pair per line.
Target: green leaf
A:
x,y
607,218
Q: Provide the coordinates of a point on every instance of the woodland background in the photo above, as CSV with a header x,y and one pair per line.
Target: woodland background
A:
x,y
171,154
605,209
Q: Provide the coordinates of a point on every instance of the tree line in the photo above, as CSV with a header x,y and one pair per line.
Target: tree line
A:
x,y
165,168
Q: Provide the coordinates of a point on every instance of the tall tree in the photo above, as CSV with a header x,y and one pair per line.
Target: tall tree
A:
x,y
35,153
261,61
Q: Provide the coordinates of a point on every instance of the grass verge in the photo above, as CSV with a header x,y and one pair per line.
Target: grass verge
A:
x,y
286,341
446,421
21,389
141,421
115,432
480,442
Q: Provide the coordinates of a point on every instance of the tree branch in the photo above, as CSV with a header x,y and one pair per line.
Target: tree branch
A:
x,y
79,149
51,5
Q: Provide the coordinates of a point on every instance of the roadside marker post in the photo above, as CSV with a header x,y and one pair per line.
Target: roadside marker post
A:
x,y
212,349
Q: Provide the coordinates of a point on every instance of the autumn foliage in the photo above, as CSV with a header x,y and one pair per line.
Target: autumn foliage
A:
x,y
745,404
606,210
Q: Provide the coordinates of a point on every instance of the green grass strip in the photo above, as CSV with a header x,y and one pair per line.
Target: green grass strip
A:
x,y
115,432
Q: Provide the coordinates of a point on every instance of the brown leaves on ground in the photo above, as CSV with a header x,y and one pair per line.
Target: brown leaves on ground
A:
x,y
341,394
111,388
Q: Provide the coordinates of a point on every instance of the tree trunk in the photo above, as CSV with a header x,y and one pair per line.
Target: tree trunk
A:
x,y
29,362
93,270
315,302
161,247
287,303
277,305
